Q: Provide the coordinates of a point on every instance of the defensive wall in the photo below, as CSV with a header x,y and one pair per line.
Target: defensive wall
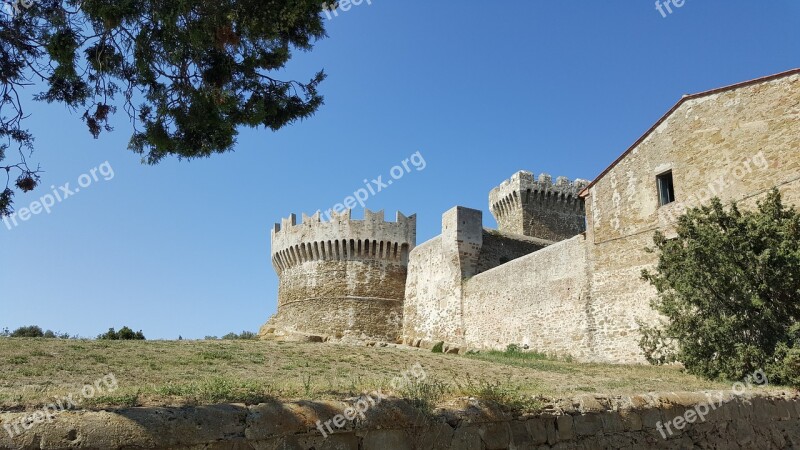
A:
x,y
584,296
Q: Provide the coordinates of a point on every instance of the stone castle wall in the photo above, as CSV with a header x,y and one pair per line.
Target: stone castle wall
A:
x,y
538,301
736,144
585,296
439,268
343,278
432,308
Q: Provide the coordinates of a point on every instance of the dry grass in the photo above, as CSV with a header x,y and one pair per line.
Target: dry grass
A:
x,y
172,373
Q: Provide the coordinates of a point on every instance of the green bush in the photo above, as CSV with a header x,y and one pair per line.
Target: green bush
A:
x,y
32,331
512,349
245,335
438,348
124,334
729,285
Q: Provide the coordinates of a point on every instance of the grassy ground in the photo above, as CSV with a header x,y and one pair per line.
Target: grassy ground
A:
x,y
173,373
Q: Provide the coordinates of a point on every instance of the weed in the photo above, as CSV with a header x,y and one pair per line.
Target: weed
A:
x,y
501,394
424,394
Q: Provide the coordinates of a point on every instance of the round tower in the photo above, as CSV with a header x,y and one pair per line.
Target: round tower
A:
x,y
343,278
538,207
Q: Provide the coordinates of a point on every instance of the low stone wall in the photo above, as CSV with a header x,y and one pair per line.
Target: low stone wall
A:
x,y
764,421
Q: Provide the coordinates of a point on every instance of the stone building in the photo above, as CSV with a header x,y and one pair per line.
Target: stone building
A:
x,y
736,143
563,272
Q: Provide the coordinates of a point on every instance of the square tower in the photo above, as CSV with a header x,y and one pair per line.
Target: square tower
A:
x,y
539,208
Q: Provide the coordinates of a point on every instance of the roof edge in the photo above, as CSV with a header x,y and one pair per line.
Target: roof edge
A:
x,y
680,102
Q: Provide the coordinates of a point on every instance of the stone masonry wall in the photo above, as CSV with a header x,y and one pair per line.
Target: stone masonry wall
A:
x,y
340,279
459,292
736,144
432,308
763,421
538,300
437,270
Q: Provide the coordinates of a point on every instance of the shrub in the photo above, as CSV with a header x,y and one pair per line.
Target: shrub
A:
x,y
124,334
245,335
438,348
728,285
32,331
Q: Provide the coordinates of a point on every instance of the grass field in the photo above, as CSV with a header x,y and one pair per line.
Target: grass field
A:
x,y
176,373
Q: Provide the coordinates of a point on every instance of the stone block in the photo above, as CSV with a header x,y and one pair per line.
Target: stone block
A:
x,y
537,430
466,438
495,436
386,439
612,422
565,428
587,424
631,420
438,436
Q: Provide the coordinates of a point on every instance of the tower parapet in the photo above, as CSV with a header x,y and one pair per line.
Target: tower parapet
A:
x,y
539,208
341,278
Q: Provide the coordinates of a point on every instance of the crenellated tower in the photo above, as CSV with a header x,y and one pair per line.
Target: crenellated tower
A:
x,y
342,278
538,207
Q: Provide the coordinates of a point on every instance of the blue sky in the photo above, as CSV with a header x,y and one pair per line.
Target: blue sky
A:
x,y
480,89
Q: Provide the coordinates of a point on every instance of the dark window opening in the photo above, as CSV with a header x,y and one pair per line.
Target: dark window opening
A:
x,y
666,189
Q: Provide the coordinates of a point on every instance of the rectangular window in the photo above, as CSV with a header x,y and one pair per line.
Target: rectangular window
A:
x,y
666,190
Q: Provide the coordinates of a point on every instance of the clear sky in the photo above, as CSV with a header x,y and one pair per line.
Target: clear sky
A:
x,y
480,89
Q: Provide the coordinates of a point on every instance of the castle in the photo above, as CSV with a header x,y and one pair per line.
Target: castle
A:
x,y
562,273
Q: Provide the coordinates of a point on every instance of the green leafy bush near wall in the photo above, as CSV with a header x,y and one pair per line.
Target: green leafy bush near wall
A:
x,y
729,285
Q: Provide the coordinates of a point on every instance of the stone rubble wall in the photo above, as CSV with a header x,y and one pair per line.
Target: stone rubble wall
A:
x,y
761,420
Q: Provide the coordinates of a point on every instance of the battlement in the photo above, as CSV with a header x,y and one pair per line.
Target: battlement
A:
x,y
523,187
342,238
538,207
